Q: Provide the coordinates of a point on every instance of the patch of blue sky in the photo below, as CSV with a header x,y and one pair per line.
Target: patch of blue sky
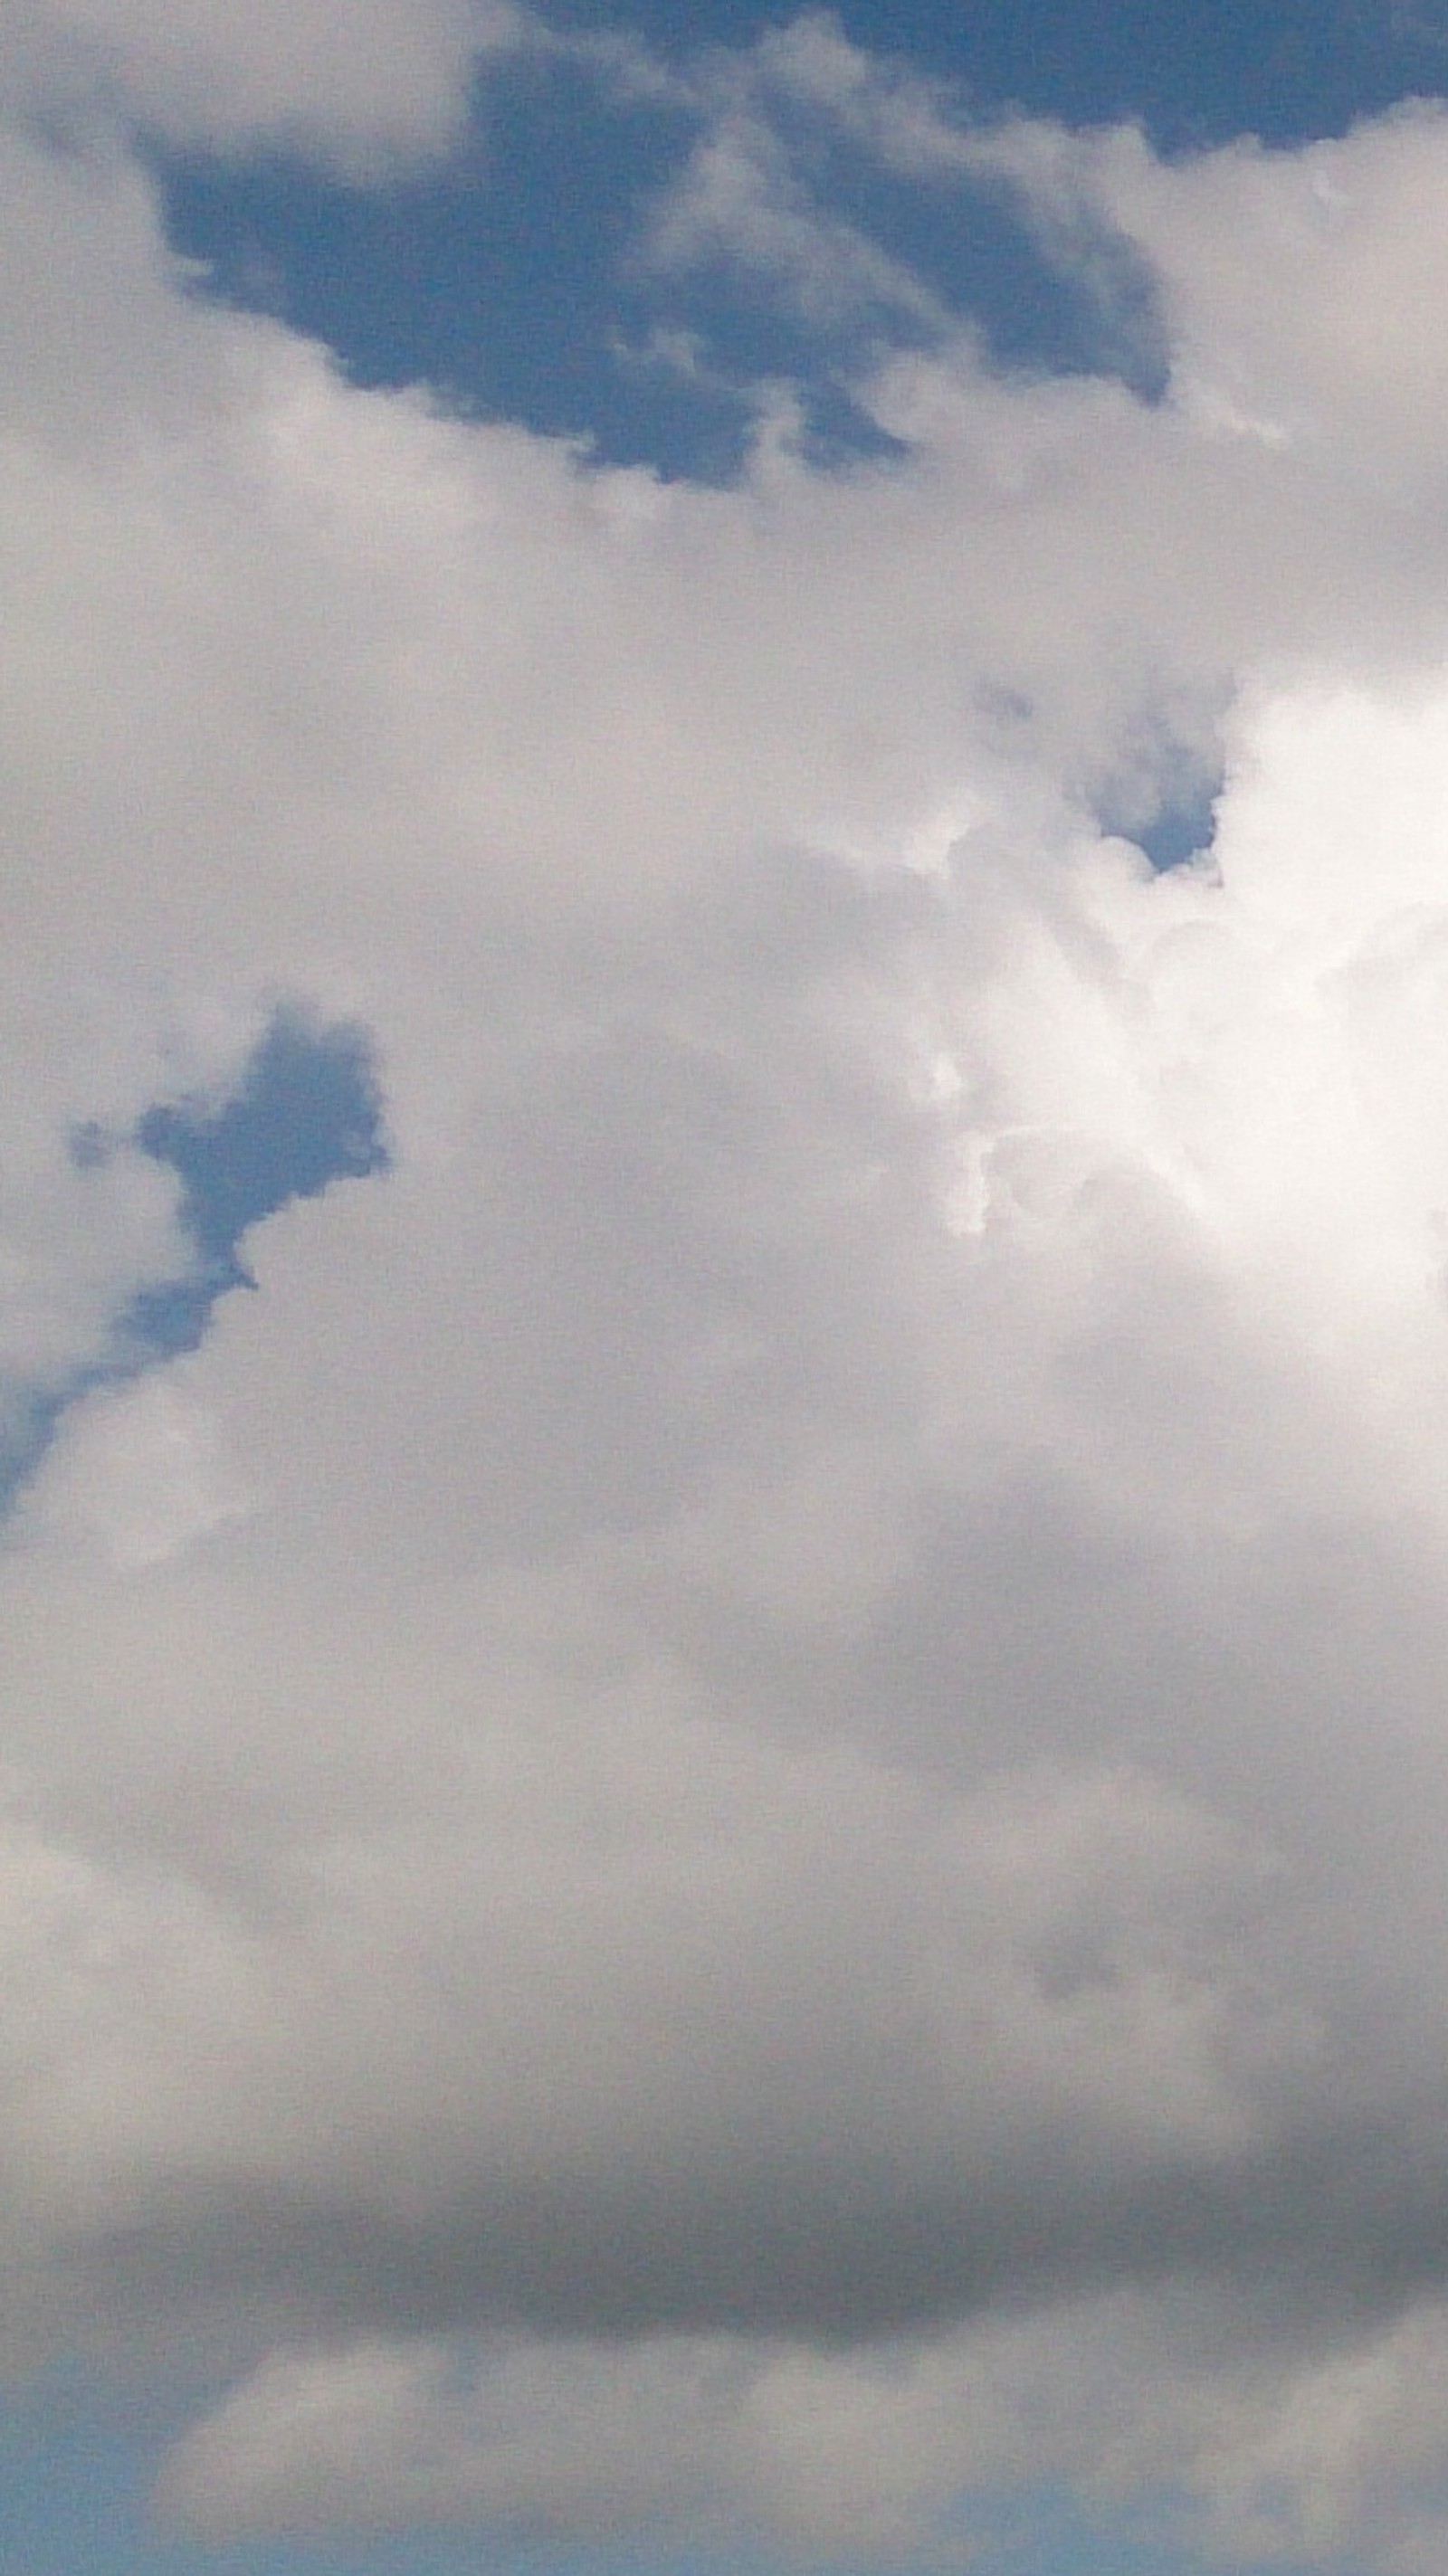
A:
x,y
1170,810
505,289
501,280
1280,69
512,280
965,244
74,2486
77,2501
307,1112
508,280
1180,830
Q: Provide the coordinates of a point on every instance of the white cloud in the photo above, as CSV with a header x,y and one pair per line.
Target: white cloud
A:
x,y
1286,2455
739,203
356,80
1298,288
732,1818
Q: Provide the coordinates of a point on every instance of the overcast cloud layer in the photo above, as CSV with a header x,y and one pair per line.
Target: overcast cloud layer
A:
x,y
733,1819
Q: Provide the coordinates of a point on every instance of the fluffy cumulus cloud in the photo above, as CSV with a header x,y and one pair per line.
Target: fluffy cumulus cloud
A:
x,y
730,1821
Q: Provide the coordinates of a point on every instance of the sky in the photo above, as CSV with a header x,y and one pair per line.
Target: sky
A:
x,y
723,1288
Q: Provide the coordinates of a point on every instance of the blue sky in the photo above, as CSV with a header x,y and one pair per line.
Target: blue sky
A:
x,y
719,1445
508,276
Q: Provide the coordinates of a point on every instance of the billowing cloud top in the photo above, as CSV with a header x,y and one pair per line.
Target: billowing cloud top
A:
x,y
732,1819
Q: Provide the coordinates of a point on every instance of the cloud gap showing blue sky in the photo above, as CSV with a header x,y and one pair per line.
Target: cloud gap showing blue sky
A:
x,y
510,281
517,282
306,1112
1194,77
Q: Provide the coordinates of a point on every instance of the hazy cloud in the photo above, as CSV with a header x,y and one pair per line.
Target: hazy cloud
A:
x,y
358,80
